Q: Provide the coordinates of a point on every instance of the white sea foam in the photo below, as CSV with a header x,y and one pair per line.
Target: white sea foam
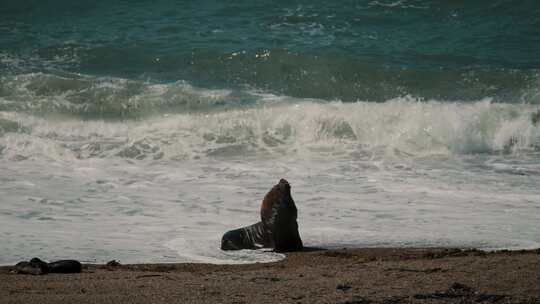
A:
x,y
400,126
165,188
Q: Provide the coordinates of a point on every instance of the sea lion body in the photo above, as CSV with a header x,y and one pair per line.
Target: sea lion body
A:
x,y
37,266
31,268
65,266
279,214
250,237
278,228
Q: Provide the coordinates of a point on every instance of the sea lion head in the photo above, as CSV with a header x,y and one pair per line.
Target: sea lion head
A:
x,y
280,193
284,186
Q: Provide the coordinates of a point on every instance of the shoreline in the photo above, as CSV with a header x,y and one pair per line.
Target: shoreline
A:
x,y
355,275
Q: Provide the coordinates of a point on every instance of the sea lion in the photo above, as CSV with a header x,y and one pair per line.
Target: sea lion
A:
x,y
278,228
37,266
250,237
279,214
65,266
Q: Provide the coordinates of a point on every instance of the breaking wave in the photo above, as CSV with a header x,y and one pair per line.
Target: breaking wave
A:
x,y
282,125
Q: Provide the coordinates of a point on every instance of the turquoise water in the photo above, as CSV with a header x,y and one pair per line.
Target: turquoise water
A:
x,y
349,51
143,130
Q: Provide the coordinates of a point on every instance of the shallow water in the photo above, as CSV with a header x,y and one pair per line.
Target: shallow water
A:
x,y
143,131
164,189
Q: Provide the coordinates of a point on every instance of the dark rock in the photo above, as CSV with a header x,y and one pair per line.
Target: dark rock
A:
x,y
343,287
113,263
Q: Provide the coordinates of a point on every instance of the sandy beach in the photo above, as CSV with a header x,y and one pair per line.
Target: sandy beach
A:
x,y
169,135
378,275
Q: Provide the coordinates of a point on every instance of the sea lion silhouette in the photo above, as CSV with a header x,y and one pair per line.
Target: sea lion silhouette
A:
x,y
277,229
36,266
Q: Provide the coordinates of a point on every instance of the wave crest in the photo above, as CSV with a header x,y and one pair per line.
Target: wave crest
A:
x,y
107,97
397,127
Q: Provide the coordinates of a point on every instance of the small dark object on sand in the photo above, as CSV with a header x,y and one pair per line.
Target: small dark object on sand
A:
x,y
277,229
357,300
37,266
461,291
343,287
113,263
459,288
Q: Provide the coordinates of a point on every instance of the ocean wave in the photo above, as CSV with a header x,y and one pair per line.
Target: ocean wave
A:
x,y
107,97
28,83
398,127
92,97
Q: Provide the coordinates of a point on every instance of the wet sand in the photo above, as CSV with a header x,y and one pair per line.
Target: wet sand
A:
x,y
381,275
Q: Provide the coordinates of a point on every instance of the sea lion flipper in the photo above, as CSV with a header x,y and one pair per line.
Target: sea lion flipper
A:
x,y
232,240
249,237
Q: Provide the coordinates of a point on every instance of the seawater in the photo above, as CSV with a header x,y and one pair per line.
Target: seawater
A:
x,y
142,131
